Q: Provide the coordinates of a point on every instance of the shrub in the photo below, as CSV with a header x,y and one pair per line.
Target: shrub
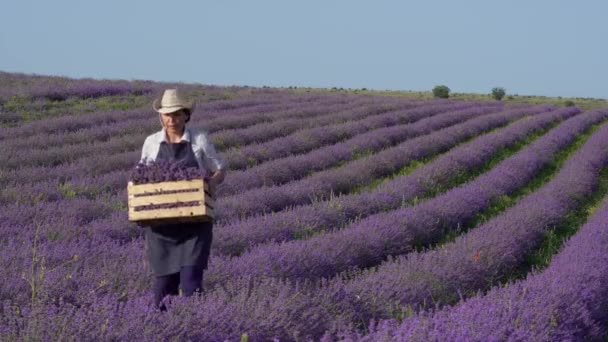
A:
x,y
498,93
441,91
569,103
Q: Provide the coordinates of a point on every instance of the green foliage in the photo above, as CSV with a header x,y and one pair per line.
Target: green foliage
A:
x,y
252,161
67,190
569,103
498,93
441,91
554,239
23,109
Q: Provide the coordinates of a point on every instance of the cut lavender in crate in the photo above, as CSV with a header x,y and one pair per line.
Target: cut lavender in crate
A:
x,y
168,192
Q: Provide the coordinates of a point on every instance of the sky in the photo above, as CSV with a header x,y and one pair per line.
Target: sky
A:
x,y
533,47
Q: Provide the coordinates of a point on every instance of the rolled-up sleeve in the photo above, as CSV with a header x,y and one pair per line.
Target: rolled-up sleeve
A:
x,y
211,159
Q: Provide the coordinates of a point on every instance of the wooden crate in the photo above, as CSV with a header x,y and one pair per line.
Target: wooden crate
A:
x,y
155,193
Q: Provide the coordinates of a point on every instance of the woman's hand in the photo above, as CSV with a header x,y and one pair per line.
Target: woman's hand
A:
x,y
212,185
214,181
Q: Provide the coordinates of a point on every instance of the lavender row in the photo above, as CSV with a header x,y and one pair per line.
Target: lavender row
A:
x,y
358,172
31,90
92,282
101,132
316,116
20,215
306,117
66,124
87,186
546,305
102,126
87,89
366,136
74,160
94,90
307,140
567,301
225,315
69,212
109,183
58,178
16,161
22,111
98,260
235,237
370,135
518,312
232,239
72,154
231,115
489,253
22,319
67,153
58,88
91,186
90,166
15,157
299,311
369,241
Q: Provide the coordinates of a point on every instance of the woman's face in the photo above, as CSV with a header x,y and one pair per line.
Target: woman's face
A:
x,y
174,122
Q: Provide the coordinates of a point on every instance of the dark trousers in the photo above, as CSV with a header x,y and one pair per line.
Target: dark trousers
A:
x,y
190,278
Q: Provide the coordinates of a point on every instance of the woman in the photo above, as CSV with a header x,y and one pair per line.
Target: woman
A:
x,y
178,253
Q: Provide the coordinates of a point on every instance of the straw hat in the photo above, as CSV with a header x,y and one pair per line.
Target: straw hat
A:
x,y
171,101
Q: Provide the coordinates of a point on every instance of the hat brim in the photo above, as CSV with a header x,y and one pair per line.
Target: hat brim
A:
x,y
163,110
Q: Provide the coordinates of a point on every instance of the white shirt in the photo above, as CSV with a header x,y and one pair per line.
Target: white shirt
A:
x,y
203,149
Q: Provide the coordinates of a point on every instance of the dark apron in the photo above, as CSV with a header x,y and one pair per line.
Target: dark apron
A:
x,y
171,246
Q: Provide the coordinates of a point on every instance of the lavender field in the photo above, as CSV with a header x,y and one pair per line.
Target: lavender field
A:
x,y
344,216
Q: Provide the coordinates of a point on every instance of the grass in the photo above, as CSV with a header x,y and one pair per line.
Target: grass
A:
x,y
29,110
582,102
500,155
545,175
555,237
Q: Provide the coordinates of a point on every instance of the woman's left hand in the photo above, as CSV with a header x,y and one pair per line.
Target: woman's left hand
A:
x,y
214,181
212,185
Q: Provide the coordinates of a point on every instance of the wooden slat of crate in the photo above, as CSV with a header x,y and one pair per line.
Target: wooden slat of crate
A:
x,y
141,189
168,198
172,198
169,213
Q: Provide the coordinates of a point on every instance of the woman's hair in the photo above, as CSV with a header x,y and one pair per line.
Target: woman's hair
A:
x,y
188,114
